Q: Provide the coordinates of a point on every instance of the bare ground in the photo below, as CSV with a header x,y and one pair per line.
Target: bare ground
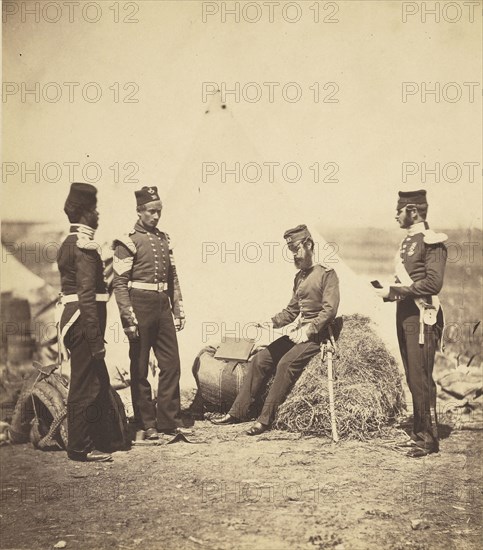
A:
x,y
230,491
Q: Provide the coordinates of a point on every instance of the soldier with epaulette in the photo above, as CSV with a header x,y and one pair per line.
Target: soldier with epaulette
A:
x,y
148,294
82,325
315,298
420,265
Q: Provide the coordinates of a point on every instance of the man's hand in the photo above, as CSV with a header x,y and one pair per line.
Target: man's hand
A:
x,y
99,355
132,333
382,292
179,323
298,336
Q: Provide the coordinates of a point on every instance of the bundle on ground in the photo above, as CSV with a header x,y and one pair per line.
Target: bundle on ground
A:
x,y
367,387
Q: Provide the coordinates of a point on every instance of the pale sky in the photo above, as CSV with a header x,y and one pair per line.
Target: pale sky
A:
x,y
359,143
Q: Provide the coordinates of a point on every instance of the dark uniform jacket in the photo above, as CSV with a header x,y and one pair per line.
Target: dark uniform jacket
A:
x,y
315,296
82,273
146,257
423,255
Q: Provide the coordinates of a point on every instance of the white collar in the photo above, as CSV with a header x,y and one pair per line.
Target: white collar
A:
x,y
419,227
84,229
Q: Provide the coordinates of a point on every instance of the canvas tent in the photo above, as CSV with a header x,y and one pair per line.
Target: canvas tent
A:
x,y
232,261
22,283
19,320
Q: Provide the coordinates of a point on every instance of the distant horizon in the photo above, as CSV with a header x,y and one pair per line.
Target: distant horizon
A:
x,y
317,226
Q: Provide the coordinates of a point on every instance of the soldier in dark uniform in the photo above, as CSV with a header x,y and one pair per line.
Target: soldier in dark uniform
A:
x,y
148,295
82,324
420,265
315,298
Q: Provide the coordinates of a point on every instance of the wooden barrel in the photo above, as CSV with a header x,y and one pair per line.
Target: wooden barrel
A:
x,y
218,381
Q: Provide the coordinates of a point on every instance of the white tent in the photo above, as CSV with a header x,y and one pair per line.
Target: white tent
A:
x,y
233,263
23,283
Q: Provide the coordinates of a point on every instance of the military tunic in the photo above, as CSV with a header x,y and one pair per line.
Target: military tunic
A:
x,y
422,255
82,325
144,258
316,298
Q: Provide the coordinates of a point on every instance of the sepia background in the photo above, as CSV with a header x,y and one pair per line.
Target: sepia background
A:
x,y
250,118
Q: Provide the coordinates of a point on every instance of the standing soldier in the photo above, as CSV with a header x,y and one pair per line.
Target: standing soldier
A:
x,y
82,324
420,265
148,295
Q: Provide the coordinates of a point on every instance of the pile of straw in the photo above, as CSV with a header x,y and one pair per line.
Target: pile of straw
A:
x,y
367,387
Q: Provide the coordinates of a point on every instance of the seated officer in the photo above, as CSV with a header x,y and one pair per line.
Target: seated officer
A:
x,y
316,298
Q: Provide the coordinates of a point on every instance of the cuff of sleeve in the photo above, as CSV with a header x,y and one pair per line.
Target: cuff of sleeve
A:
x,y
275,322
397,293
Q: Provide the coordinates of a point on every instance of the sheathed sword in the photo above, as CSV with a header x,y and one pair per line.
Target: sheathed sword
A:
x,y
329,348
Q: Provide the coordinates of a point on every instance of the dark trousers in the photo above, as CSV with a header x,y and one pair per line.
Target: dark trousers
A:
x,y
156,331
418,360
289,360
88,398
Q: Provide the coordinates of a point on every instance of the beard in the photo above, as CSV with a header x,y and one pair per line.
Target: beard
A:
x,y
303,263
406,221
93,223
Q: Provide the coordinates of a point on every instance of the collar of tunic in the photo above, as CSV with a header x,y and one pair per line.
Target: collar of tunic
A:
x,y
77,228
417,228
141,229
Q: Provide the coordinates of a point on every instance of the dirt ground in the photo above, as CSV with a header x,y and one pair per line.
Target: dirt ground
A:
x,y
227,490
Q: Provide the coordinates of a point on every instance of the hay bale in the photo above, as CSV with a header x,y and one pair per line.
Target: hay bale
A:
x,y
367,387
